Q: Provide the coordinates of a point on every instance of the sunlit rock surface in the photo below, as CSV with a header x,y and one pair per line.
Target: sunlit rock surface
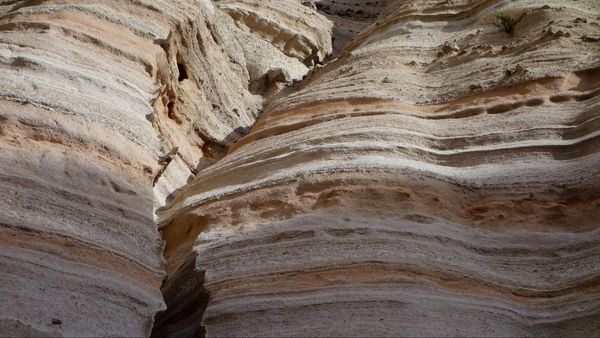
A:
x,y
106,108
299,168
440,178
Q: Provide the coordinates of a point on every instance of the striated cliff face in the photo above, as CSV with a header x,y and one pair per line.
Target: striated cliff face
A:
x,y
105,109
299,168
439,178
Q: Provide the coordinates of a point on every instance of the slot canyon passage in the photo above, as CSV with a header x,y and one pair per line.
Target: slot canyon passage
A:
x,y
190,168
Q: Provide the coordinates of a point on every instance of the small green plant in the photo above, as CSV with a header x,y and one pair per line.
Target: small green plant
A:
x,y
506,22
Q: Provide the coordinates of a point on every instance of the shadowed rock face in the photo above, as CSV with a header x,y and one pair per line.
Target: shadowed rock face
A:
x,y
439,177
106,108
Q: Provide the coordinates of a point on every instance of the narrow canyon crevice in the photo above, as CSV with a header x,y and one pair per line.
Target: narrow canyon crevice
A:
x,y
183,290
396,181
299,168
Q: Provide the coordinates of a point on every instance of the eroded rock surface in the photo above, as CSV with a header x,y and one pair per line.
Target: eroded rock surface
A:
x,y
281,39
438,177
106,108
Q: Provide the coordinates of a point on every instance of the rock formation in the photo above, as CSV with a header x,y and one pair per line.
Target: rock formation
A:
x,y
299,168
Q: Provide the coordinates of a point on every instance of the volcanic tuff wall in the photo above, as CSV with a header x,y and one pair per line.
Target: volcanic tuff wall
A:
x,y
107,107
441,177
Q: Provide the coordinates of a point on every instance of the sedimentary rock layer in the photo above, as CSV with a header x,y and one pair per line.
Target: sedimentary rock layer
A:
x,y
440,178
296,30
106,109
282,40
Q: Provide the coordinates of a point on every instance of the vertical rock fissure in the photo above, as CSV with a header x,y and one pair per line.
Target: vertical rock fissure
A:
x,y
185,295
442,169
411,209
189,298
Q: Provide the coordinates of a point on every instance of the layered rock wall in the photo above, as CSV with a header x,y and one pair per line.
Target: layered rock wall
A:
x,y
440,178
106,108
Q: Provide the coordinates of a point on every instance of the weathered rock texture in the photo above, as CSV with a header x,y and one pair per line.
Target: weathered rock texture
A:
x,y
440,177
106,108
281,39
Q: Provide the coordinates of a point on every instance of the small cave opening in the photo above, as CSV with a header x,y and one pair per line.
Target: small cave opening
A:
x,y
182,72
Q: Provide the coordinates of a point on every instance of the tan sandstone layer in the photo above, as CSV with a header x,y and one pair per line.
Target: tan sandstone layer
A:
x,y
106,108
440,178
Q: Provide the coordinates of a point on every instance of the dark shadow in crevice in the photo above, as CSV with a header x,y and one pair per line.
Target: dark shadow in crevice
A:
x,y
186,301
182,72
183,288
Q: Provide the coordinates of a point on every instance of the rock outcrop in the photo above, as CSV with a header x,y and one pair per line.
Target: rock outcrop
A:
x,y
282,40
190,167
440,178
106,108
349,17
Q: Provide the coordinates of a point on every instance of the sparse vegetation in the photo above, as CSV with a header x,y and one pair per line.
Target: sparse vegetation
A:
x,y
506,22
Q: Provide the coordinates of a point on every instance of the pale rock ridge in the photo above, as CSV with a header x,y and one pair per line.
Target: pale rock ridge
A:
x,y
296,30
441,178
282,40
106,108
